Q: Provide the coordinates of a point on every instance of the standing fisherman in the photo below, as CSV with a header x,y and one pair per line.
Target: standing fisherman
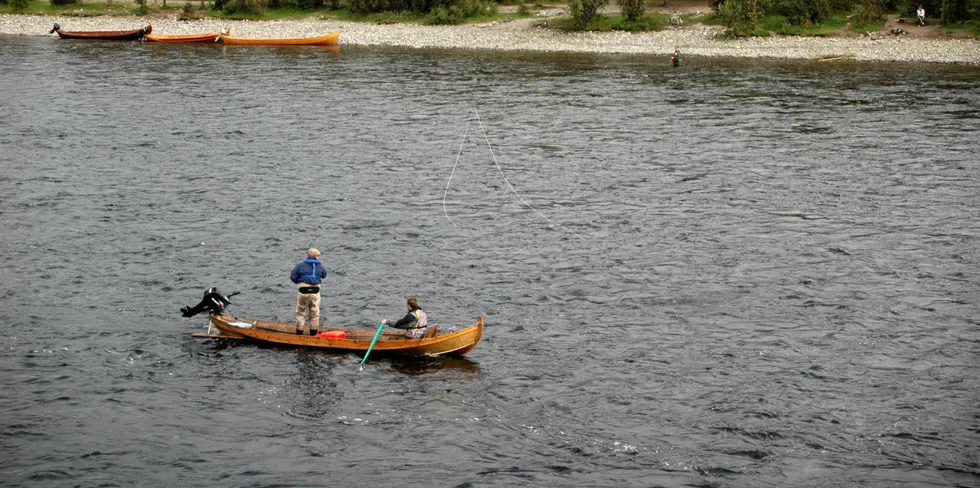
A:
x,y
676,58
308,275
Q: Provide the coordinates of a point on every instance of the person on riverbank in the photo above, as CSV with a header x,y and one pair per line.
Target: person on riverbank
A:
x,y
308,275
675,60
415,322
920,15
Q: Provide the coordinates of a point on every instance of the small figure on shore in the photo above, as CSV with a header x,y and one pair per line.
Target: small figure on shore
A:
x,y
308,275
676,58
415,321
921,15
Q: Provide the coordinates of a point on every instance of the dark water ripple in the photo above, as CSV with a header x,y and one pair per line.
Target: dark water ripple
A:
x,y
741,273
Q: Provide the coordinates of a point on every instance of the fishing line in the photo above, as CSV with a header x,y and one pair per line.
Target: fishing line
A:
x,y
359,259
501,171
465,132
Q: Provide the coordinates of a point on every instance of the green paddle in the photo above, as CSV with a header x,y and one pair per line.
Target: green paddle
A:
x,y
376,335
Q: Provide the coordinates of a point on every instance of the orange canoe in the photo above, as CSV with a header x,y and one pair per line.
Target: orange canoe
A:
x,y
129,35
186,37
325,40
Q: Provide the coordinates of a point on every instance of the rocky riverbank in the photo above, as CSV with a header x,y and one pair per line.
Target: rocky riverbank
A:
x,y
527,35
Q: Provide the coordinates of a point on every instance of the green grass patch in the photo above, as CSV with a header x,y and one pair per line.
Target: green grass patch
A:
x,y
693,18
613,22
88,9
411,17
708,19
497,17
91,8
972,29
270,14
127,7
872,27
375,18
781,25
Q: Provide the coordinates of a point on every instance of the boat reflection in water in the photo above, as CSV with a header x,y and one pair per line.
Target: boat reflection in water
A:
x,y
425,365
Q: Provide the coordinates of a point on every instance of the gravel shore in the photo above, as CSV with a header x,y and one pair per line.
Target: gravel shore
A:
x,y
524,35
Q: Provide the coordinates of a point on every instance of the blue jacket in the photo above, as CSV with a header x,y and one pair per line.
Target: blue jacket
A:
x,y
310,271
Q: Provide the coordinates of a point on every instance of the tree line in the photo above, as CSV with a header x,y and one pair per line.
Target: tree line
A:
x,y
742,16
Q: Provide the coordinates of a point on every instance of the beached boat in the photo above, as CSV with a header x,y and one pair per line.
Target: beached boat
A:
x,y
128,35
357,340
209,37
325,40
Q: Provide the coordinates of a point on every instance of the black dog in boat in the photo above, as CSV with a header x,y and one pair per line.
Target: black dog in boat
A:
x,y
213,302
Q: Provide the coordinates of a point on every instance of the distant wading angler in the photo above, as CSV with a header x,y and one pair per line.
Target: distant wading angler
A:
x,y
308,275
415,321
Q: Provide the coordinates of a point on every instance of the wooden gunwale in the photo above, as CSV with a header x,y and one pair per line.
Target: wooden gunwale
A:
x,y
182,37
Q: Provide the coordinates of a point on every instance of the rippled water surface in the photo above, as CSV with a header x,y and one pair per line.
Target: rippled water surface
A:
x,y
732,274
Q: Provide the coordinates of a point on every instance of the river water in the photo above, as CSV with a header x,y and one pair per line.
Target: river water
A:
x,y
736,273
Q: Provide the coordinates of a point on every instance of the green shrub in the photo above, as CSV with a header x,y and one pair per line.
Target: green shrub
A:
x,y
645,23
455,13
296,4
800,12
19,5
188,13
244,7
632,9
371,6
445,15
585,11
778,24
870,12
742,16
524,10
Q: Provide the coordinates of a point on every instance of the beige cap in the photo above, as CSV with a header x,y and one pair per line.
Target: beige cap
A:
x,y
313,252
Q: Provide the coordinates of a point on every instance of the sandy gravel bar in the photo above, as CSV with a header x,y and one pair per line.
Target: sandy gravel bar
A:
x,y
523,35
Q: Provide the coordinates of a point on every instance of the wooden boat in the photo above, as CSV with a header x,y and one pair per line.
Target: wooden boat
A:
x,y
211,37
325,40
357,340
128,35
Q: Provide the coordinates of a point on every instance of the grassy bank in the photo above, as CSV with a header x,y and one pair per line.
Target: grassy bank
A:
x,y
198,9
655,19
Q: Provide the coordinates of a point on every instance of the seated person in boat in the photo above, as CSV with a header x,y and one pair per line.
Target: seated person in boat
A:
x,y
414,322
308,275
